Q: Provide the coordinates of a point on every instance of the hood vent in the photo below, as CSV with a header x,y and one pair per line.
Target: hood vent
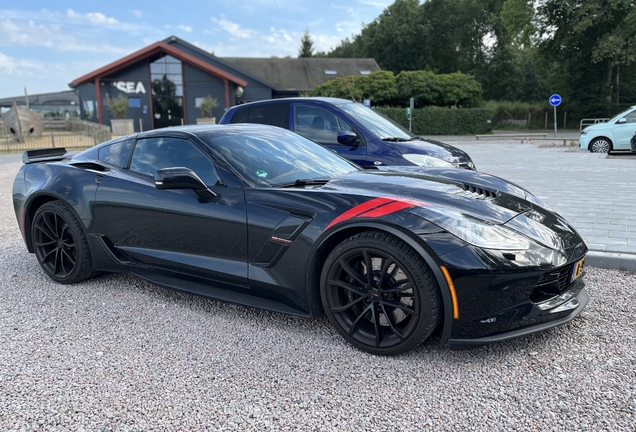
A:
x,y
476,192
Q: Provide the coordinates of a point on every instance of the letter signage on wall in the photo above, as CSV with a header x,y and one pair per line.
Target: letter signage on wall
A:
x,y
130,86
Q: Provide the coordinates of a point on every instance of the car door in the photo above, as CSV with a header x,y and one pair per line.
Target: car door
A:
x,y
624,130
174,230
322,125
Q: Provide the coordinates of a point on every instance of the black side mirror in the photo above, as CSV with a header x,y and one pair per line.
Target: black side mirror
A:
x,y
347,137
182,178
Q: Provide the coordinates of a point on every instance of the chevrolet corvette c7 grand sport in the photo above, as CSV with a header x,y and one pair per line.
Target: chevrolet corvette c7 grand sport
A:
x,y
260,216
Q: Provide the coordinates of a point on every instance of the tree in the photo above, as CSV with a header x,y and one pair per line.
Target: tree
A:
x,y
117,106
306,45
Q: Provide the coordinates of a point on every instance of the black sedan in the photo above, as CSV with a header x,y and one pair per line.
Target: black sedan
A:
x,y
260,216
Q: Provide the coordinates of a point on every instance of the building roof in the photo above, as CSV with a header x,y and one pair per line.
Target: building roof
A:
x,y
67,97
156,48
302,74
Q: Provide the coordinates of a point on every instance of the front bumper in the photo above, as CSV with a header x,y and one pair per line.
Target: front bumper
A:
x,y
575,302
584,141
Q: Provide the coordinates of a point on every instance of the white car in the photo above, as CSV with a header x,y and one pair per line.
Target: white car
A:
x,y
615,134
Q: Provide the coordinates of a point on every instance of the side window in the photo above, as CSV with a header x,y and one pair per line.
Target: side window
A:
x,y
631,117
240,116
318,124
152,154
274,114
116,154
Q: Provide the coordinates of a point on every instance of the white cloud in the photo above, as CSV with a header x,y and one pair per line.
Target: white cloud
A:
x,y
235,30
186,29
95,18
50,36
137,13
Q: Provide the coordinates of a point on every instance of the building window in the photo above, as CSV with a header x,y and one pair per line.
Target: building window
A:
x,y
330,72
365,72
166,78
134,102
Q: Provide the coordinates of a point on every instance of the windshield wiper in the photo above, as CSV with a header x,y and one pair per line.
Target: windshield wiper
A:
x,y
304,182
395,139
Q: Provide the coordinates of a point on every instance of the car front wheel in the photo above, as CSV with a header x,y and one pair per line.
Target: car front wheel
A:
x,y
60,244
380,294
601,145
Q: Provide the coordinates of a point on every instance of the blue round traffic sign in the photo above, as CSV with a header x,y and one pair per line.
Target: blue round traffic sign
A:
x,y
555,100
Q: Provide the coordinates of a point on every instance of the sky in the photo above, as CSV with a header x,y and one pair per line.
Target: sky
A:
x,y
45,45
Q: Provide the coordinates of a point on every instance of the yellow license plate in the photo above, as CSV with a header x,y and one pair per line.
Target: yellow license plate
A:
x,y
577,270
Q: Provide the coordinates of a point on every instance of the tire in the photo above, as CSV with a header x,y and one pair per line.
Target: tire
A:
x,y
601,145
60,245
389,311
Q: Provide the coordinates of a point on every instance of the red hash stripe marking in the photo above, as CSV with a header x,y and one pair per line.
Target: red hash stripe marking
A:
x,y
386,209
359,209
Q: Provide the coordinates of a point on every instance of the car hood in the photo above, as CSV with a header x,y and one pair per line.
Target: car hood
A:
x,y
434,148
477,194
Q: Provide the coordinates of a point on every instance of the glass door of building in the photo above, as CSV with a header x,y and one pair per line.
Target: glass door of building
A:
x,y
166,75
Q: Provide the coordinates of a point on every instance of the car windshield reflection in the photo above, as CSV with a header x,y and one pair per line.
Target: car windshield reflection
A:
x,y
277,157
376,123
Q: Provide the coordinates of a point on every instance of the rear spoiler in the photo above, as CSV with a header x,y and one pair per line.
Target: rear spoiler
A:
x,y
46,155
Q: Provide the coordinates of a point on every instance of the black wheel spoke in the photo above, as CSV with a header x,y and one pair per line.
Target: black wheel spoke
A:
x,y
369,264
357,321
397,305
385,268
391,324
401,288
48,225
376,324
351,272
354,289
347,306
56,260
48,243
46,256
69,257
45,230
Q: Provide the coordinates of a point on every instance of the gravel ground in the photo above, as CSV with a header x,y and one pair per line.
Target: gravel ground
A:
x,y
116,353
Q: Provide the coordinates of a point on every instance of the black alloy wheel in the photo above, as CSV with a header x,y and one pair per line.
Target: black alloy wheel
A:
x,y
380,294
60,244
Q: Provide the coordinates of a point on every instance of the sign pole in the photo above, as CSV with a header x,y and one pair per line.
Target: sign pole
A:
x,y
411,106
555,101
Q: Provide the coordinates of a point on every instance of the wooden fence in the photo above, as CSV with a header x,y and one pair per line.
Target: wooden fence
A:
x,y
73,135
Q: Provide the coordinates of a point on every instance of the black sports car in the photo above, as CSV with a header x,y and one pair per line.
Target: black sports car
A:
x,y
260,216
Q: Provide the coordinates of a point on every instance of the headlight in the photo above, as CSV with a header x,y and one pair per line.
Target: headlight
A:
x,y
584,131
472,230
423,160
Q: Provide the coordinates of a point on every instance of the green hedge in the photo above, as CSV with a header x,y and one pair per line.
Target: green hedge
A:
x,y
443,121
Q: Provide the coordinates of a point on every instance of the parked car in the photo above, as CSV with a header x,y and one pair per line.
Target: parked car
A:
x,y
633,142
260,216
613,135
353,130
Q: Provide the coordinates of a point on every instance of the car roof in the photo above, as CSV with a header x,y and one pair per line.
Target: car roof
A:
x,y
210,129
319,99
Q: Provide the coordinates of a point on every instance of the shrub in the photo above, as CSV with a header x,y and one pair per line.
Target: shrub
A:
x,y
208,103
443,121
117,106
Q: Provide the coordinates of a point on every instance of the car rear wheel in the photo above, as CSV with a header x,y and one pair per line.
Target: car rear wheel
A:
x,y
60,244
601,145
380,294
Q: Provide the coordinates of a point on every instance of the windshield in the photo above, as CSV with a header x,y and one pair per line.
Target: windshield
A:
x,y
275,157
376,123
621,115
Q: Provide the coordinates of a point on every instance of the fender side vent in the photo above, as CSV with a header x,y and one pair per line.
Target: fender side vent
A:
x,y
478,192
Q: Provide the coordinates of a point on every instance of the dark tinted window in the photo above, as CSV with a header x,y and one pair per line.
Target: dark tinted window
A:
x,y
152,154
275,114
116,154
318,124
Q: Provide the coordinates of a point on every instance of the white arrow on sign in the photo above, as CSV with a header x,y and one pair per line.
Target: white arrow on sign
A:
x,y
555,100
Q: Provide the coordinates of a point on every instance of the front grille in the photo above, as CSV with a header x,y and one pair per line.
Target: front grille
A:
x,y
552,284
564,277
